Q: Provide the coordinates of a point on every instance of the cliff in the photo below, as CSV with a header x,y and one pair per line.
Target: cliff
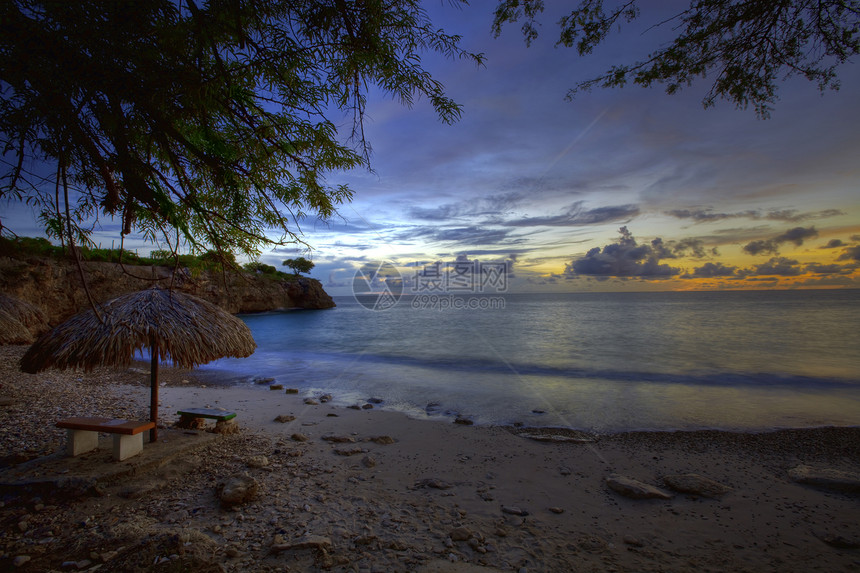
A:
x,y
55,286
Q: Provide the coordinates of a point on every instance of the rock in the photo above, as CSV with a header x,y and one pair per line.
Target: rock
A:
x,y
837,540
696,485
226,427
432,483
367,407
350,452
538,411
460,534
311,402
632,541
238,489
326,398
383,440
511,510
826,478
463,420
284,418
261,380
557,510
299,438
376,400
339,439
292,391
308,542
276,387
20,560
634,489
258,461
368,462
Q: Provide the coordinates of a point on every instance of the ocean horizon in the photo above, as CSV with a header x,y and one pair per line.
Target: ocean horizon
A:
x,y
598,362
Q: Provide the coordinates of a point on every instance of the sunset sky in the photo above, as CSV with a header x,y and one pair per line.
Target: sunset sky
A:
x,y
709,198
624,189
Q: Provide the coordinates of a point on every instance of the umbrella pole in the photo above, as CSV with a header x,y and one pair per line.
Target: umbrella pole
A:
x,y
153,404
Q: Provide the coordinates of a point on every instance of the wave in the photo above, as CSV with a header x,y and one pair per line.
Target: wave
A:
x,y
484,366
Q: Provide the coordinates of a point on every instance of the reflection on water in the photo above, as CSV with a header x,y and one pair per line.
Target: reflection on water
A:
x,y
602,361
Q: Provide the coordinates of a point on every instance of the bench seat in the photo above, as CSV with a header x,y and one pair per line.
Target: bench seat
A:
x,y
83,435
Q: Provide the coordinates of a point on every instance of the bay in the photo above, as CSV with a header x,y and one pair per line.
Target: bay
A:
x,y
601,362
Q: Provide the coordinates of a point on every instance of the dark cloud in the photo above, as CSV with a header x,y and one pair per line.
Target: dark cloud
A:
x,y
834,269
850,254
706,215
768,247
471,235
625,258
576,215
771,246
491,205
692,247
777,266
833,244
711,270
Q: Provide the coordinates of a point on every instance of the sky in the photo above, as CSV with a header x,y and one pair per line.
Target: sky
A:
x,y
622,189
617,190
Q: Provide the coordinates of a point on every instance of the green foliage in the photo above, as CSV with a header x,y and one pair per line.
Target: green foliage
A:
x,y
744,47
299,265
215,121
257,267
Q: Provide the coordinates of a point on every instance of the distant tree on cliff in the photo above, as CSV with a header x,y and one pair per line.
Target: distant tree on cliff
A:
x,y
299,265
214,123
744,47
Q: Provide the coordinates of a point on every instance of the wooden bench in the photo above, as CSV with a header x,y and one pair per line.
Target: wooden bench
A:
x,y
195,418
83,435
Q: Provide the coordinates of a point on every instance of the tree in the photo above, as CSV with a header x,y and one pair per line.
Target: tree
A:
x,y
745,47
299,265
210,123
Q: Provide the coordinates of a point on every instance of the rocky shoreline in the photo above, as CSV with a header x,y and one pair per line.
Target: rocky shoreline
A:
x,y
55,286
340,489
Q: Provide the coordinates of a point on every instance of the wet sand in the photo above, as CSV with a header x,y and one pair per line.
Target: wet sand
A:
x,y
345,489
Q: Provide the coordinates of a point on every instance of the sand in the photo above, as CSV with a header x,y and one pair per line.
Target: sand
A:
x,y
345,489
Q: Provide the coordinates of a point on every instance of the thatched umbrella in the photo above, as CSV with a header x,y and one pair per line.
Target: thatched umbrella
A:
x,y
30,316
13,331
182,328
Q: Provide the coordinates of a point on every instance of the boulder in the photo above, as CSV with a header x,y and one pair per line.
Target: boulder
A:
x,y
826,478
634,489
238,489
696,485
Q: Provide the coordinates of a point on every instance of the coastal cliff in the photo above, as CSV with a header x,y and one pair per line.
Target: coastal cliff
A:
x,y
55,286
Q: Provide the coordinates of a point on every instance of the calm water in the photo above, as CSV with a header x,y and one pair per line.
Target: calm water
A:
x,y
596,361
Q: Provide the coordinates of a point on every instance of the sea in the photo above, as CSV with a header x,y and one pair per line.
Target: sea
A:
x,y
597,362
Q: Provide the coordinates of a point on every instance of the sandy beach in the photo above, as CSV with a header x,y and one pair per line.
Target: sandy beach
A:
x,y
346,489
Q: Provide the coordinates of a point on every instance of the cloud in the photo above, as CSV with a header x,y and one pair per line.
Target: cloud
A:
x,y
850,254
472,235
707,215
777,266
771,246
480,206
625,258
711,270
833,269
833,244
575,215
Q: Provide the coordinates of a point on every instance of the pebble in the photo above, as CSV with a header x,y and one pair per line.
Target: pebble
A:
x,y
20,560
284,418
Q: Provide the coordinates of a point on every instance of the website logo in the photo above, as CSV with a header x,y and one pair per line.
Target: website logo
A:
x,y
377,286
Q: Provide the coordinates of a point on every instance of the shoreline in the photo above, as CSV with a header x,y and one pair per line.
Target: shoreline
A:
x,y
369,490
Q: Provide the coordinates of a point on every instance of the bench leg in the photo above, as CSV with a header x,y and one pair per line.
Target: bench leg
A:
x,y
126,446
81,441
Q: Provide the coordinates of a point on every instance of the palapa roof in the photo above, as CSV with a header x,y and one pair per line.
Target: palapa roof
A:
x,y
13,331
30,316
184,329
